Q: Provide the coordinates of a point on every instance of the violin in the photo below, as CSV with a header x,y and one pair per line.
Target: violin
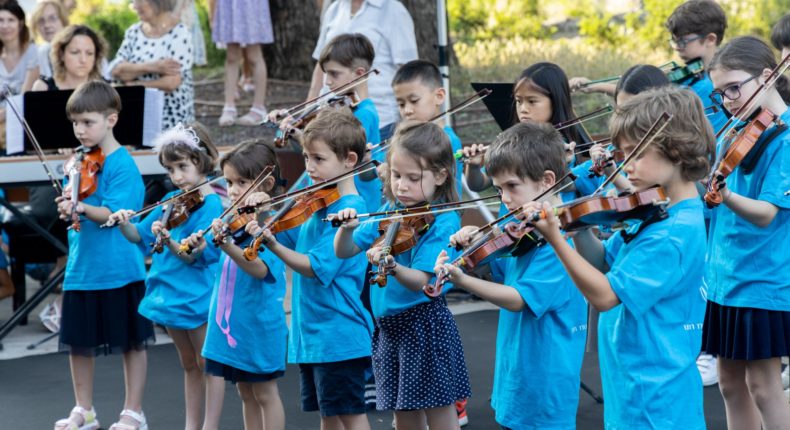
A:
x,y
177,213
294,213
515,239
738,144
234,227
83,169
678,73
397,237
601,163
609,211
351,99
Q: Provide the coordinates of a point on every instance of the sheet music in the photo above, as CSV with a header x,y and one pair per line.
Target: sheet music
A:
x,y
13,128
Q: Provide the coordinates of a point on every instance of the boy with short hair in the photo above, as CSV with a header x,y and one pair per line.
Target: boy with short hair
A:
x,y
343,59
542,321
420,95
105,274
331,331
780,35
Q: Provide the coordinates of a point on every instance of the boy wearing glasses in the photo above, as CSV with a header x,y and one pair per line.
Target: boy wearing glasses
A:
x,y
780,36
697,28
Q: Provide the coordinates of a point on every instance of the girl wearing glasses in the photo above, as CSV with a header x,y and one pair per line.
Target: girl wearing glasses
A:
x,y
747,322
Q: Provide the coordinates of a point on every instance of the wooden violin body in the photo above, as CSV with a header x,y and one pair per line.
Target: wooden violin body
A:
x,y
351,100
82,169
397,237
177,213
610,211
736,146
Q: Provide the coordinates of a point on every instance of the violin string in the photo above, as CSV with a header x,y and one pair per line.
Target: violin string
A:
x,y
294,194
347,86
153,206
422,209
415,214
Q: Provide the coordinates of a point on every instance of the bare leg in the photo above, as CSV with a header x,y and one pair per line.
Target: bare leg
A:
x,y
254,56
763,377
232,63
253,417
194,387
406,420
742,413
82,379
215,386
355,422
443,418
268,397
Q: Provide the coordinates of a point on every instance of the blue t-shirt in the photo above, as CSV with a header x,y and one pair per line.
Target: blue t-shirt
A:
x,y
703,87
246,325
539,350
101,258
648,344
747,264
366,113
585,183
396,298
328,321
178,294
3,261
455,143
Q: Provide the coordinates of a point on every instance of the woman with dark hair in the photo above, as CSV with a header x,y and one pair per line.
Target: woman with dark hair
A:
x,y
19,65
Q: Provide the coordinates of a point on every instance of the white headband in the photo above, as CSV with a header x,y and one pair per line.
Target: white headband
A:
x,y
178,135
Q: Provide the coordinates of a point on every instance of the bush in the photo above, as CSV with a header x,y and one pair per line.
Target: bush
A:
x,y
110,20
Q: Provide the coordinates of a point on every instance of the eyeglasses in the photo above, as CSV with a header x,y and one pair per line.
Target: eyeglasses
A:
x,y
683,41
733,92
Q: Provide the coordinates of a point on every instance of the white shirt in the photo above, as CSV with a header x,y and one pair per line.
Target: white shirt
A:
x,y
390,29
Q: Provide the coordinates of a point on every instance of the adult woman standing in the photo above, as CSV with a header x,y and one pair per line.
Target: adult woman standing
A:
x,y
157,52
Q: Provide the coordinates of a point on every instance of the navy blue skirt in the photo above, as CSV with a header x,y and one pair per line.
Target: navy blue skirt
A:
x,y
104,321
418,359
234,375
745,333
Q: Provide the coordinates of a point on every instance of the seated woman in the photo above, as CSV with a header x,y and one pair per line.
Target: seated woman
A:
x,y
157,52
47,19
76,56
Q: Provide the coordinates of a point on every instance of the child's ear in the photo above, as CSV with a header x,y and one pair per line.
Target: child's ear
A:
x,y
112,119
548,179
441,177
765,74
359,71
351,159
439,94
268,184
712,38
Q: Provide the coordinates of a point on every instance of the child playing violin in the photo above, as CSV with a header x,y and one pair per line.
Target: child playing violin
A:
x,y
178,286
418,358
420,95
247,335
541,334
343,59
104,281
330,329
747,323
646,281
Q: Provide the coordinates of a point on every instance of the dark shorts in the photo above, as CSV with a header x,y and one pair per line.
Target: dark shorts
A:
x,y
104,322
234,375
336,388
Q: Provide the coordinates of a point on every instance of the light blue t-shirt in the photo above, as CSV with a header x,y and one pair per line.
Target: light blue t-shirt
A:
x,y
586,183
246,325
178,294
328,321
396,298
703,87
747,265
648,344
539,350
366,113
101,258
455,143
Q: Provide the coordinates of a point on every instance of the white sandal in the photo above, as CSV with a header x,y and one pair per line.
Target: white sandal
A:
x,y
50,317
249,118
142,424
79,419
228,116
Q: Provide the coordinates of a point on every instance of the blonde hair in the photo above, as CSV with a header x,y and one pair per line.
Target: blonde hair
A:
x,y
428,145
39,11
687,140
62,40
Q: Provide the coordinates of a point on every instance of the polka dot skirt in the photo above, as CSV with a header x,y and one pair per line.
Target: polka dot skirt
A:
x,y
418,359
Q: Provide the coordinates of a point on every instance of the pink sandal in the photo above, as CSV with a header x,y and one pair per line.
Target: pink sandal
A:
x,y
139,417
255,116
228,116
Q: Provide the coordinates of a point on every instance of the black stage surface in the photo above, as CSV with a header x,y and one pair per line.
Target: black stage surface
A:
x,y
35,391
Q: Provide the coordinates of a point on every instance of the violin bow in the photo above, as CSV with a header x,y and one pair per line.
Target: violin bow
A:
x,y
5,91
418,210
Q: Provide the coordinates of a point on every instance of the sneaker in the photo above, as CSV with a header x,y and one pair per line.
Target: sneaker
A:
x,y
706,364
460,408
786,378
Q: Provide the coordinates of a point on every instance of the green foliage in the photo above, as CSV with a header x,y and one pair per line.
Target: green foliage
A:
x,y
496,19
110,20
214,56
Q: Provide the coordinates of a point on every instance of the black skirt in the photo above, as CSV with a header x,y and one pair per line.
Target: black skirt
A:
x,y
104,322
738,333
235,375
